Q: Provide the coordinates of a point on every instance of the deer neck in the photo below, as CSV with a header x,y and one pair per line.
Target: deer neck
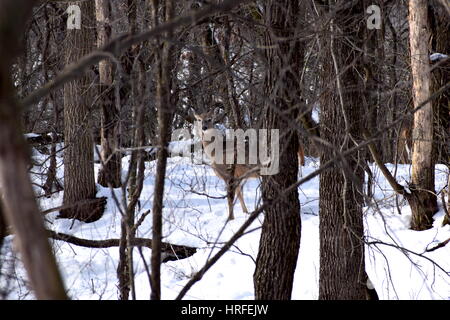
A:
x,y
209,138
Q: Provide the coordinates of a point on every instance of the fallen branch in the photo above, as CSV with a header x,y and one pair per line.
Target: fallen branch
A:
x,y
398,188
171,251
440,245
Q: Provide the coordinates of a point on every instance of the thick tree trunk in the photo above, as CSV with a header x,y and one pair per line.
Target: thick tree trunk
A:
x,y
425,204
79,181
280,237
18,199
110,171
342,273
440,43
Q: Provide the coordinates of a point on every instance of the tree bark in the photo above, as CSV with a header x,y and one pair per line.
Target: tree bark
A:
x,y
18,199
110,171
342,273
440,24
447,215
280,237
422,184
79,181
165,115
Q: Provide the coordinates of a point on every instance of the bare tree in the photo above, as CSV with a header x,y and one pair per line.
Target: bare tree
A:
x,y
110,173
165,106
440,75
422,184
342,274
280,237
19,203
79,180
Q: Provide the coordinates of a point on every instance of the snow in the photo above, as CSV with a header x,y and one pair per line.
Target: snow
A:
x,y
182,146
31,135
397,263
438,56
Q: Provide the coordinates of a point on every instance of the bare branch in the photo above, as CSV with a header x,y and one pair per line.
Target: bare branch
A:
x,y
167,248
122,42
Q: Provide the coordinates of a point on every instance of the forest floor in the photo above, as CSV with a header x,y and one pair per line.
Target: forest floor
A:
x,y
396,260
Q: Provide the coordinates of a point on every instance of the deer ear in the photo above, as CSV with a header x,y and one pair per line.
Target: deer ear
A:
x,y
192,111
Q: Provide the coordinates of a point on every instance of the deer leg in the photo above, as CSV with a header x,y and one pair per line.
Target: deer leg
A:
x,y
301,155
230,198
230,208
241,198
301,159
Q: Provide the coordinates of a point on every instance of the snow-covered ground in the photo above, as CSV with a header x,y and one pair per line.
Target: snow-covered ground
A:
x,y
398,267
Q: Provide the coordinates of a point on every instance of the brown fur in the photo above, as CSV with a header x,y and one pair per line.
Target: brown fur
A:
x,y
404,146
301,155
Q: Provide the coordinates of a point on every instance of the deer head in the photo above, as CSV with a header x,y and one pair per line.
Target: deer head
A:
x,y
204,122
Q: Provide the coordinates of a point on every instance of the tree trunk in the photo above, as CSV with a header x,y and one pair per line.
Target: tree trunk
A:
x,y
280,237
18,199
3,224
165,114
110,171
447,216
342,274
440,43
135,95
79,182
52,180
425,203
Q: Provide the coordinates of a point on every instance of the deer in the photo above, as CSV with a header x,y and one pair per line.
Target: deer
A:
x,y
234,179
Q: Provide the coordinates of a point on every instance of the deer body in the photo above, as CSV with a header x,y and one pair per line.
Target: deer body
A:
x,y
235,173
232,174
